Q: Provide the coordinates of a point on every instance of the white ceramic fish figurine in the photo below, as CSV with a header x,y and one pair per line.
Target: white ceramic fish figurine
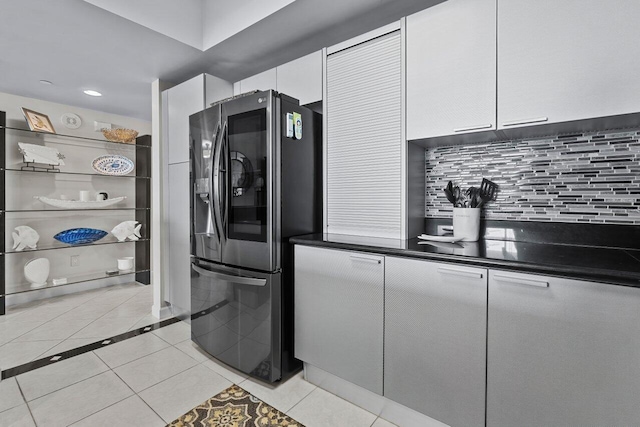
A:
x,y
127,230
26,237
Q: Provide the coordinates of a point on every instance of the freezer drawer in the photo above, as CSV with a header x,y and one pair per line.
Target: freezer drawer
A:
x,y
236,317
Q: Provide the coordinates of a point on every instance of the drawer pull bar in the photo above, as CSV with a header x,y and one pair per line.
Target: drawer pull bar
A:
x,y
520,281
365,259
456,272
469,128
525,122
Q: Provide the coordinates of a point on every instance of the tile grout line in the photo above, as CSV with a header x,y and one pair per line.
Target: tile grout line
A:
x,y
131,361
174,375
56,317
134,333
140,397
121,400
87,378
98,318
300,401
26,403
67,386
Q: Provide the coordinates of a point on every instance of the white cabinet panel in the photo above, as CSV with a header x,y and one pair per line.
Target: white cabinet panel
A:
x,y
435,339
183,100
339,313
451,69
562,352
216,89
263,81
179,238
567,60
302,78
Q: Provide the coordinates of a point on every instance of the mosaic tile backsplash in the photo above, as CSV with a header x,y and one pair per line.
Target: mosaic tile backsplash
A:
x,y
590,177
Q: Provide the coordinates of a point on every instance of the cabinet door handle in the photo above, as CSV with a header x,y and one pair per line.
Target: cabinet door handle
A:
x,y
468,128
520,281
526,121
365,259
456,272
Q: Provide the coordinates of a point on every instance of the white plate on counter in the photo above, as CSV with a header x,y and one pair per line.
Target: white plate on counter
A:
x,y
444,239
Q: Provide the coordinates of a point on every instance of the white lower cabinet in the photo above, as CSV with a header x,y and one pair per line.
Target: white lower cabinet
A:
x,y
339,300
562,352
465,346
435,339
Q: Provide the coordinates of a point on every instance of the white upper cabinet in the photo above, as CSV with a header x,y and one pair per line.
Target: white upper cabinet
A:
x,y
364,139
302,78
567,60
262,81
451,69
216,89
184,100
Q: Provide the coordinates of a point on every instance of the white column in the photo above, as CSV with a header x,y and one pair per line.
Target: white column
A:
x,y
158,215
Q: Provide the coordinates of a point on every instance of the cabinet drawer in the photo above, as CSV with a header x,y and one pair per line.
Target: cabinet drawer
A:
x,y
435,339
339,300
562,352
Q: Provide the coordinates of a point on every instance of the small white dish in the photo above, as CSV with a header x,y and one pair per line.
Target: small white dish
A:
x,y
125,264
444,239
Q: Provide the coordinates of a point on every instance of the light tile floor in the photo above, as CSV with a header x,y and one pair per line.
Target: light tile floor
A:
x,y
151,380
42,328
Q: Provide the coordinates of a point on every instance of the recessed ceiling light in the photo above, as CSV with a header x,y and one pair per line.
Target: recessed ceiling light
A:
x,y
46,82
92,92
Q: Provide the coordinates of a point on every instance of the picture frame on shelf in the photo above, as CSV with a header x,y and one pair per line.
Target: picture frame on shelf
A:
x,y
37,121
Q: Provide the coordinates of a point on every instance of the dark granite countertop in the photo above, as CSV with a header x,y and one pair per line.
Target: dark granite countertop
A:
x,y
617,266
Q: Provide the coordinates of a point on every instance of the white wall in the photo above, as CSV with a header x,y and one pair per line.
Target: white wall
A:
x,y
180,20
11,105
223,18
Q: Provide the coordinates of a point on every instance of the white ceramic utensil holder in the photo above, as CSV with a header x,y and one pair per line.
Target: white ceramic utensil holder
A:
x,y
466,224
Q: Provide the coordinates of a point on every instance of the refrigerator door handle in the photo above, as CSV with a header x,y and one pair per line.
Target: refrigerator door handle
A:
x,y
224,143
215,186
210,203
241,280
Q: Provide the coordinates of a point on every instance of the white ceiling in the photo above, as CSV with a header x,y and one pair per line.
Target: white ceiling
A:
x,y
78,46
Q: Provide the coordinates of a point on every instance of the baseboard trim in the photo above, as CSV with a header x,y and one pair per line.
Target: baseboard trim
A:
x,y
379,405
161,313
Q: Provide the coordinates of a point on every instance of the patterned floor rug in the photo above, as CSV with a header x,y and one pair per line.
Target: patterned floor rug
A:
x,y
234,407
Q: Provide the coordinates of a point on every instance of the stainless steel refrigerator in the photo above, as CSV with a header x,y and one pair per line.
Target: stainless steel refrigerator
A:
x,y
256,173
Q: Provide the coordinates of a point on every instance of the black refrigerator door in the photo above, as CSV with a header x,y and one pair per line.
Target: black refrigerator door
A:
x,y
236,317
207,234
249,147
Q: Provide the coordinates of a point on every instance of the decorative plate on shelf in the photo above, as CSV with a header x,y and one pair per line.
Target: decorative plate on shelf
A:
x,y
80,236
32,153
112,165
77,204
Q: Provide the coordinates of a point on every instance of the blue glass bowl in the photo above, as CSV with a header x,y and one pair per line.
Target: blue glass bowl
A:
x,y
80,236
